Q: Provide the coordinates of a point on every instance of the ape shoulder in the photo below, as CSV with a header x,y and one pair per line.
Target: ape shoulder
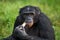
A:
x,y
45,22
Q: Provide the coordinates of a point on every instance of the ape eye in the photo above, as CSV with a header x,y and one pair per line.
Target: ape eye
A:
x,y
31,13
24,15
28,14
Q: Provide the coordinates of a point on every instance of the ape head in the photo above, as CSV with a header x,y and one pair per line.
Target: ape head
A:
x,y
29,14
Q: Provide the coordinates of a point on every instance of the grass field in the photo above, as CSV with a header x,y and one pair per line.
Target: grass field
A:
x,y
9,10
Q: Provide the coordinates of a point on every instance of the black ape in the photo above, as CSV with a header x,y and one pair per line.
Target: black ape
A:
x,y
39,29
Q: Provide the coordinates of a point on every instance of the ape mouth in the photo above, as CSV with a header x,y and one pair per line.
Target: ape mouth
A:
x,y
29,24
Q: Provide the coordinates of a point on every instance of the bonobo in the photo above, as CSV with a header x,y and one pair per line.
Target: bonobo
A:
x,y
32,24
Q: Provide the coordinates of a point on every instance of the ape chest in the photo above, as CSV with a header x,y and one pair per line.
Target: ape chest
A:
x,y
32,32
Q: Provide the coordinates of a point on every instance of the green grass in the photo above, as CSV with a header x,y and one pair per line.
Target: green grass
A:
x,y
9,9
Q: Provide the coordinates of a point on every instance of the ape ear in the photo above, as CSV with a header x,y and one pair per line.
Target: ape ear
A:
x,y
20,10
37,10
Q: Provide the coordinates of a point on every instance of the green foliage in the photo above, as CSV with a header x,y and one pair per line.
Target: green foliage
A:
x,y
9,10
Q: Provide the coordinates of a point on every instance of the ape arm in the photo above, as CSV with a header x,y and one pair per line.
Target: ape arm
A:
x,y
22,35
42,36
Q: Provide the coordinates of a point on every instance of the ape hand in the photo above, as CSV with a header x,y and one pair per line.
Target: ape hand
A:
x,y
20,32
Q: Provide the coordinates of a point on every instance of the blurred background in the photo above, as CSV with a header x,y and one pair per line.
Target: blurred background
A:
x,y
9,9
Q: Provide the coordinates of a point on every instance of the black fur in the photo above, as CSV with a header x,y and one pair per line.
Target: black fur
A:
x,y
42,28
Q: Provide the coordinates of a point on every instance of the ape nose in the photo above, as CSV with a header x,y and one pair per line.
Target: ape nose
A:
x,y
28,18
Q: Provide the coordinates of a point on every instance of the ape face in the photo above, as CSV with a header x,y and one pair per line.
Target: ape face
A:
x,y
29,13
29,19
